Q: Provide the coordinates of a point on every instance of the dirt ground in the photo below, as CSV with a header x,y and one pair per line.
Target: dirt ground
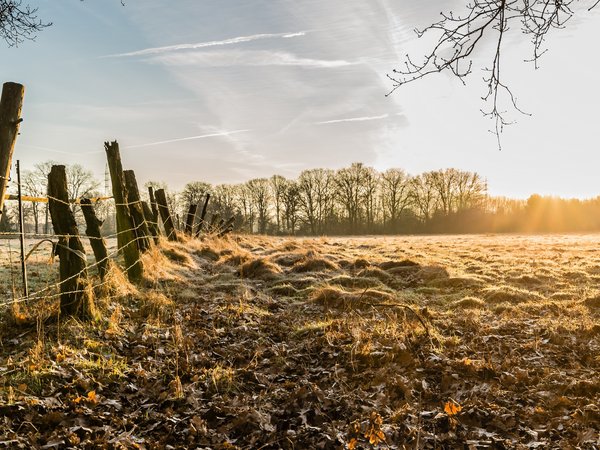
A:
x,y
375,342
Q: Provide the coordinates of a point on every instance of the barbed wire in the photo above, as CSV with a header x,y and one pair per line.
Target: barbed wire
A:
x,y
37,295
68,236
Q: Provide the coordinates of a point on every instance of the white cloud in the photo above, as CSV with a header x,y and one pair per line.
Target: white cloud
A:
x,y
189,138
230,58
231,41
354,119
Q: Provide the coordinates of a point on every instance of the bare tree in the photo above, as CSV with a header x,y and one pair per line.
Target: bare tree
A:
x,y
355,189
424,195
193,193
80,182
278,186
459,35
35,184
261,197
291,205
316,197
395,194
19,22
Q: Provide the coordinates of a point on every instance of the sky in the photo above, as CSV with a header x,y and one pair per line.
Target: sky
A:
x,y
228,90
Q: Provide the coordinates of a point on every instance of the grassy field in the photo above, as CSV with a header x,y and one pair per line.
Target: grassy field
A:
x,y
371,342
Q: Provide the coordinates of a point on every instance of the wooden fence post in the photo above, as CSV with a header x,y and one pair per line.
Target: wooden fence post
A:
x,y
97,242
189,221
202,216
126,238
76,298
11,103
153,214
153,204
163,209
136,211
213,222
227,227
152,225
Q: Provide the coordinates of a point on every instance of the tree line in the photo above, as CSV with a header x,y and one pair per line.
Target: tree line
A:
x,y
353,200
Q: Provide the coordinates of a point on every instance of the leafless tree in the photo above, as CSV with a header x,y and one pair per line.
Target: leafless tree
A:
x,y
457,36
261,197
316,197
424,195
291,205
395,194
193,193
35,184
19,22
354,192
278,186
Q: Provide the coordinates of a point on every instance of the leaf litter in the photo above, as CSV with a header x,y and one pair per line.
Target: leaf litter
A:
x,y
256,342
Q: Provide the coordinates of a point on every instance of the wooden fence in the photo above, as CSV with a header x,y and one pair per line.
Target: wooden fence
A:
x,y
138,224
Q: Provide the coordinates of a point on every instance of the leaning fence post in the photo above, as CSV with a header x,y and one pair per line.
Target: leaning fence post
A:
x,y
97,242
213,222
11,104
75,296
152,225
189,220
153,204
202,216
126,237
227,227
136,211
165,215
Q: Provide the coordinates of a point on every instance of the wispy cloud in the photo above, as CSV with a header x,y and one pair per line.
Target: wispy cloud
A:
x,y
189,138
198,45
230,58
354,119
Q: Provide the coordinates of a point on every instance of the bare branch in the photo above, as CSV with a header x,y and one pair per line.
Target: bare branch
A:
x,y
459,35
19,22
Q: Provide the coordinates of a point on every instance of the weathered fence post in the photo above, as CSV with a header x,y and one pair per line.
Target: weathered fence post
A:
x,y
126,237
152,225
189,221
11,103
213,222
152,214
92,230
202,216
165,215
136,211
75,298
227,227
153,204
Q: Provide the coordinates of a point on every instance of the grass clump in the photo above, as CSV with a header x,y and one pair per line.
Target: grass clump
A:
x,y
469,303
314,264
510,295
336,297
259,268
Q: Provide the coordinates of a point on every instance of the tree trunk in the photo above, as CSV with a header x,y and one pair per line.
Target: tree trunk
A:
x,y
97,242
126,237
165,215
11,103
76,298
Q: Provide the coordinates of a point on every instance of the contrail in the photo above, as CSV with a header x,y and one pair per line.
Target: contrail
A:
x,y
231,41
189,138
355,119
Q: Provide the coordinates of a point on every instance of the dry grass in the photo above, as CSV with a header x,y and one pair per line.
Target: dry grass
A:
x,y
336,297
236,336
